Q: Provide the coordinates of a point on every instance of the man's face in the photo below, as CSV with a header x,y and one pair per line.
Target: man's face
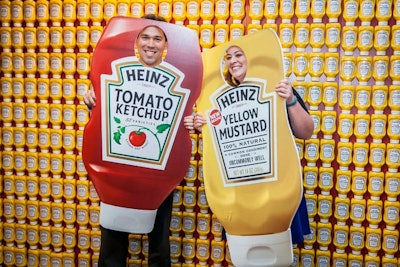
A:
x,y
151,43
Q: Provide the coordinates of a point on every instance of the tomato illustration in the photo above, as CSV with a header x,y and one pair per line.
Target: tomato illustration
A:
x,y
137,138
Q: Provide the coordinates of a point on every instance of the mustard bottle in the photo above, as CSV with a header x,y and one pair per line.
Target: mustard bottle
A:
x,y
235,31
381,39
202,250
189,197
377,156
365,38
203,225
357,236
310,179
307,256
137,8
394,71
302,10
188,223
340,236
395,40
360,155
344,154
378,127
393,156
390,241
367,11
302,88
317,36
317,10
302,36
375,184
5,17
179,11
391,213
17,13
188,249
350,11
311,152
332,36
328,125
206,36
348,68
322,256
123,8
216,228
55,12
357,210
333,10
96,11
202,200
389,260
237,11
221,32
193,11
393,127
342,209
300,63
383,11
69,12
373,236
176,223
316,65
207,11
311,238
324,206
349,39
364,69
331,66
287,62
286,10
286,35
374,212
380,69
217,251
392,185
69,212
324,233
361,126
271,8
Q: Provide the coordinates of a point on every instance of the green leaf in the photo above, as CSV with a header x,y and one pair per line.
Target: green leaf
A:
x,y
117,137
162,127
117,120
122,129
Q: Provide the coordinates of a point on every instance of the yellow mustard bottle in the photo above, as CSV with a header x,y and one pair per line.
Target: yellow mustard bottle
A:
x,y
300,63
237,11
302,10
348,68
302,36
325,205
221,32
342,209
123,8
333,9
310,179
318,10
317,36
286,35
271,9
365,39
324,233
361,126
381,39
357,210
392,185
392,156
344,154
391,213
367,11
377,156
357,236
378,127
193,11
360,155
340,236
316,65
349,39
286,10
373,236
333,36
380,69
328,125
383,11
206,36
331,66
374,212
393,127
350,11
375,184
311,151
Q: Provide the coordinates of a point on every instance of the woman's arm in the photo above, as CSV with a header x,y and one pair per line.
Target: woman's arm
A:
x,y
300,121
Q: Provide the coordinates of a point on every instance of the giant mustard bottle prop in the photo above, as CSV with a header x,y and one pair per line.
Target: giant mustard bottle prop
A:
x,y
252,172
135,146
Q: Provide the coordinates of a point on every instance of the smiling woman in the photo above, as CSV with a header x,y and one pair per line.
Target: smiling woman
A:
x,y
235,65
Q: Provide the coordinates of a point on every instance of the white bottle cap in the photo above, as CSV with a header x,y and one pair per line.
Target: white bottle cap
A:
x,y
261,250
127,219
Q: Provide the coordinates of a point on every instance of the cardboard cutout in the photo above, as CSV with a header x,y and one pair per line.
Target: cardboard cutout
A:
x,y
252,172
135,147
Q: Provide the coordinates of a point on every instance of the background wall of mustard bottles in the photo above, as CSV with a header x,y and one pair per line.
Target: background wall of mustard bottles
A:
x,y
343,57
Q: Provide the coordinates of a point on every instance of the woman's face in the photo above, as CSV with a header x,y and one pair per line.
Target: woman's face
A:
x,y
236,61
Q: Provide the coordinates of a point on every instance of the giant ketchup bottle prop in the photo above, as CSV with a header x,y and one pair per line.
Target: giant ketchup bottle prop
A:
x,y
135,146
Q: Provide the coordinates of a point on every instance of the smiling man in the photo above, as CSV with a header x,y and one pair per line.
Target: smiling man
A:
x,y
151,43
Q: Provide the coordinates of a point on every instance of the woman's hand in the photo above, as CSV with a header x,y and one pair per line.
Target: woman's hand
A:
x,y
284,90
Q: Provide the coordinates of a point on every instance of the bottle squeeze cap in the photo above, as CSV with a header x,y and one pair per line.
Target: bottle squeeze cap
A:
x,y
261,250
355,252
127,219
